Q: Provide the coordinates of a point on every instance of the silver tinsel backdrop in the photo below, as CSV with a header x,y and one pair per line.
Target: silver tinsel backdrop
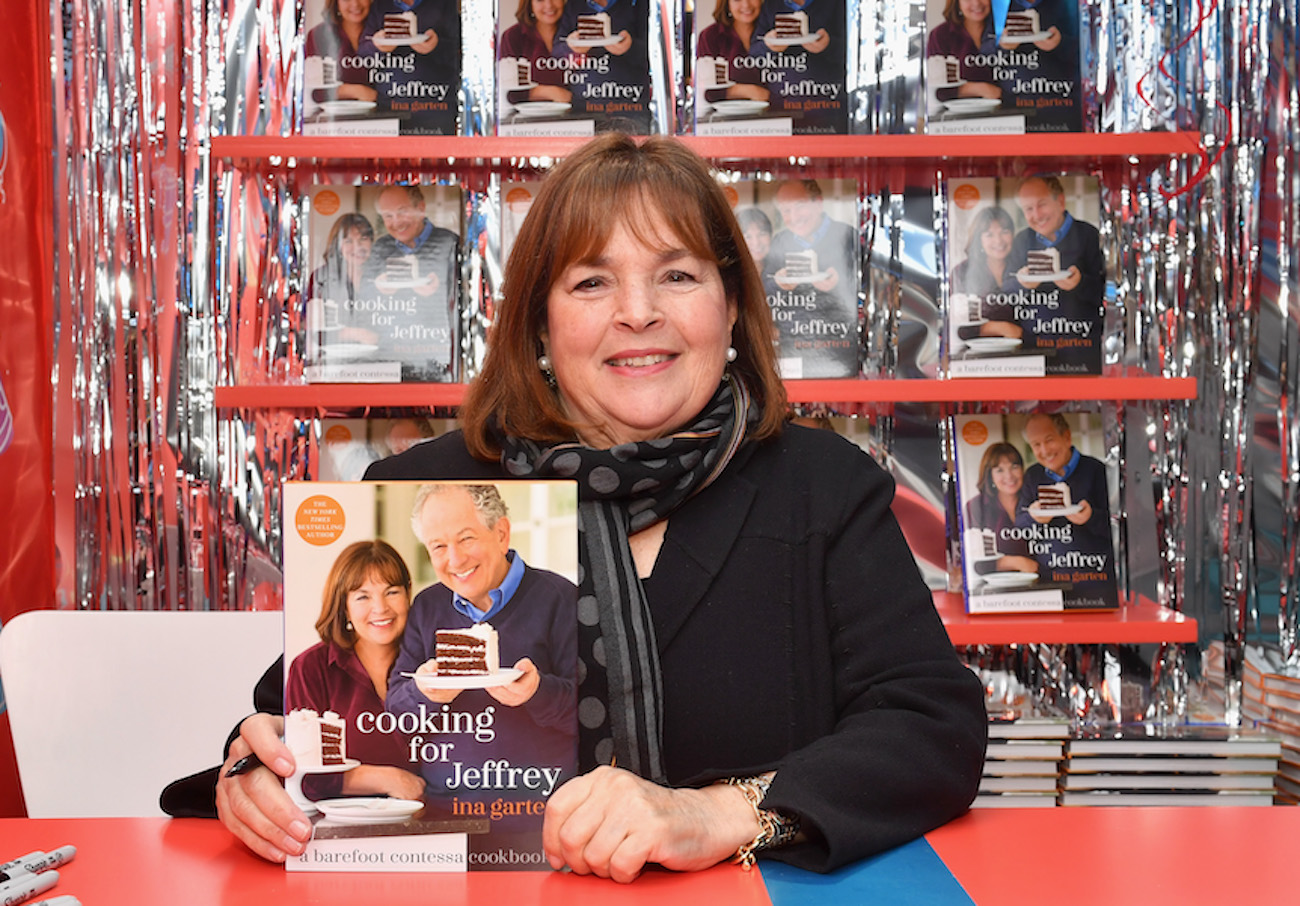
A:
x,y
177,272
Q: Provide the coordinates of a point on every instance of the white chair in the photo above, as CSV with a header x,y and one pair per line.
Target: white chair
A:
x,y
106,708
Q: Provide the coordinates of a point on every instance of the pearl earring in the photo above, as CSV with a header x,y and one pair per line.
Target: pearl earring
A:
x,y
544,363
731,353
349,625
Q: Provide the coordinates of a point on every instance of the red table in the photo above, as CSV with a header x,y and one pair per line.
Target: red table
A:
x,y
1062,856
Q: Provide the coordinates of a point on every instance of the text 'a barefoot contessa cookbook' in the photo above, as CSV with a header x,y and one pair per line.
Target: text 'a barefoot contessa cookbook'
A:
x,y
431,670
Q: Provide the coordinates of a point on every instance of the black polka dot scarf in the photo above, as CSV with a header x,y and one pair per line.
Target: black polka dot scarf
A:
x,y
621,491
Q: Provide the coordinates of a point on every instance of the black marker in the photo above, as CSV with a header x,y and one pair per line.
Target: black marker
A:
x,y
244,765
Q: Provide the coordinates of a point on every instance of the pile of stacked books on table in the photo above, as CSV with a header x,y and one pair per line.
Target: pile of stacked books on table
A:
x,y
1183,765
1023,764
1270,699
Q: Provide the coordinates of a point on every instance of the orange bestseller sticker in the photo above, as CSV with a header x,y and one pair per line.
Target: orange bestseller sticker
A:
x,y
319,520
328,202
965,196
974,433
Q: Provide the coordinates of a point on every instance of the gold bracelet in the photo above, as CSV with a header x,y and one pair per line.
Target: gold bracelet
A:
x,y
774,828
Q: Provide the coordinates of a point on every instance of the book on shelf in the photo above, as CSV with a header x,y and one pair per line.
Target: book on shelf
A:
x,y
1018,784
1020,767
573,69
1033,510
1172,764
448,764
1232,798
1156,782
1026,748
997,74
1015,800
394,70
1026,276
1198,740
770,68
382,288
1267,669
803,236
1028,728
347,446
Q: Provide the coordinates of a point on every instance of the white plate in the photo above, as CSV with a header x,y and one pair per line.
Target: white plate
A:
x,y
972,105
738,107
1010,579
401,42
1024,276
793,41
992,344
1055,511
542,108
1024,39
344,351
590,43
368,809
780,277
346,107
347,765
487,681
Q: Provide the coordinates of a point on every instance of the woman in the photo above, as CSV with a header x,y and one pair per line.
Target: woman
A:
x,y
532,38
983,273
363,613
728,38
338,37
339,278
793,690
966,32
1001,478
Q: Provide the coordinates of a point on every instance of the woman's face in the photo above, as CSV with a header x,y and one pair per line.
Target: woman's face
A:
x,y
355,246
354,10
744,11
377,611
1007,476
995,242
974,10
638,337
547,12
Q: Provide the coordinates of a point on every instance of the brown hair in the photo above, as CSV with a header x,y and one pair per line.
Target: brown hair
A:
x,y
658,179
357,563
995,454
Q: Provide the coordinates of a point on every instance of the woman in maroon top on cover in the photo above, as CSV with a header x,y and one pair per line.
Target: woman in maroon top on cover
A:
x,y
339,37
966,30
363,614
729,37
531,39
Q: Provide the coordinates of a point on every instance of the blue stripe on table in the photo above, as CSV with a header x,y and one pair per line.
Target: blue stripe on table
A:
x,y
911,875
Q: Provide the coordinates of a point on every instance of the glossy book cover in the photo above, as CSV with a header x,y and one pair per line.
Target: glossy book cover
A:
x,y
1027,278
803,235
770,67
382,289
431,681
1034,498
1009,69
381,67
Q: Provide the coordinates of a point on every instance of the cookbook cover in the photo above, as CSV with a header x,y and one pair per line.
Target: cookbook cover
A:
x,y
573,68
431,689
803,236
991,69
382,290
1034,504
1026,276
770,67
381,67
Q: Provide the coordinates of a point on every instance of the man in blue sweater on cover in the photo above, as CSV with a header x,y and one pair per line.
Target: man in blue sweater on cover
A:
x,y
1073,548
511,742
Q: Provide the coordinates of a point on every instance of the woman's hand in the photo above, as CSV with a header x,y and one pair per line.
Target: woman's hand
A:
x,y
254,806
383,780
612,823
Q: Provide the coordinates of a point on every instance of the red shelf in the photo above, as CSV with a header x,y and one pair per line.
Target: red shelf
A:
x,y
884,390
1141,621
289,151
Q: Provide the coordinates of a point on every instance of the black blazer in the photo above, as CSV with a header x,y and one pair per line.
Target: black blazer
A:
x,y
795,633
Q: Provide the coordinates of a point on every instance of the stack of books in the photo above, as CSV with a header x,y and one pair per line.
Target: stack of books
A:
x,y
1023,764
1185,765
1270,699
